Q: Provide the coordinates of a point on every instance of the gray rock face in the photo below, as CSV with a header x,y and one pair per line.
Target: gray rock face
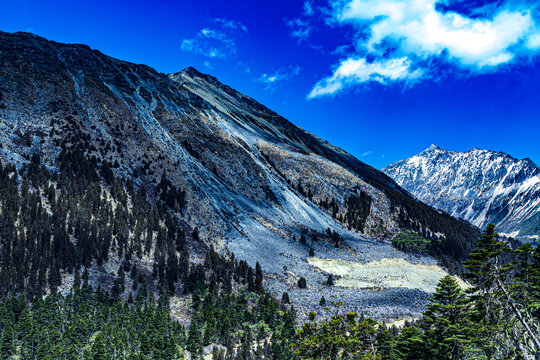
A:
x,y
480,186
238,162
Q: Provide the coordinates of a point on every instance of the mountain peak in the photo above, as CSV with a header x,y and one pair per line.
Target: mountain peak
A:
x,y
432,149
193,73
502,189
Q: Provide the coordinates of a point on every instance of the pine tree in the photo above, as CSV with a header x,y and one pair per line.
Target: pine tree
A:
x,y
386,344
410,345
330,280
285,298
146,345
7,342
258,279
447,321
194,341
496,310
484,268
77,279
99,349
85,277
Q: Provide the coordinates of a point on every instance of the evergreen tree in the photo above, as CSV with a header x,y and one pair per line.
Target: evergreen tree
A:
x,y
258,279
99,349
285,298
410,345
7,342
448,329
502,321
330,280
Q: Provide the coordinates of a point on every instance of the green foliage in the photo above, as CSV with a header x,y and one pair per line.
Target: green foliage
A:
x,y
245,319
357,207
344,336
410,241
458,237
449,331
410,345
88,324
52,224
505,295
57,223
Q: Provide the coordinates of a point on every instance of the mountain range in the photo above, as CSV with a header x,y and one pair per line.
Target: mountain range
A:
x,y
481,186
255,185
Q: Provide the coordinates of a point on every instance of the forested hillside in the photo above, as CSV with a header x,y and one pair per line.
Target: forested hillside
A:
x,y
498,318
84,239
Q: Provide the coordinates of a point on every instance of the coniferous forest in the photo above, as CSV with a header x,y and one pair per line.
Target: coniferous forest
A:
x,y
60,228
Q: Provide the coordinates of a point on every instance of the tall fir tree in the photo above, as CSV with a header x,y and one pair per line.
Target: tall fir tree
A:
x,y
448,329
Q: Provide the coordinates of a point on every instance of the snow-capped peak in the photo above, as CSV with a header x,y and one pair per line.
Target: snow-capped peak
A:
x,y
481,186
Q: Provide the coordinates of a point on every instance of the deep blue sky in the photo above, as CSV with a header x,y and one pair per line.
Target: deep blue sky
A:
x,y
457,103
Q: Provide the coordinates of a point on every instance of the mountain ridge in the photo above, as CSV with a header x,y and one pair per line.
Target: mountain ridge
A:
x,y
478,185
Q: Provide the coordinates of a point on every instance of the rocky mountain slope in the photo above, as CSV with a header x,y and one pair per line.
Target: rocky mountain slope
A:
x,y
255,184
480,186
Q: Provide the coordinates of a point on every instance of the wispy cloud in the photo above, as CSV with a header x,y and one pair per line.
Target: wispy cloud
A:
x,y
245,68
308,8
299,29
218,42
367,153
397,40
281,75
231,24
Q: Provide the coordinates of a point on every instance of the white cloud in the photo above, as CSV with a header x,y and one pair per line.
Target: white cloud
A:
x,y
367,153
280,75
353,71
231,24
299,29
308,8
400,37
215,43
533,42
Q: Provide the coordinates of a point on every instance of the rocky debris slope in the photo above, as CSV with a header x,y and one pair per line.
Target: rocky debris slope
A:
x,y
480,186
253,182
